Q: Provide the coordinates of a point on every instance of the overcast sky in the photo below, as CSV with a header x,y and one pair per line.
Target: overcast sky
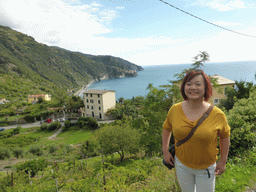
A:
x,y
145,32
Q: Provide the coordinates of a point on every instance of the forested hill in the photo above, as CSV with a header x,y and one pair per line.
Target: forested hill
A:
x,y
43,68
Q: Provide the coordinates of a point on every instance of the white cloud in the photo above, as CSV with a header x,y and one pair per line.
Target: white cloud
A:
x,y
222,5
54,21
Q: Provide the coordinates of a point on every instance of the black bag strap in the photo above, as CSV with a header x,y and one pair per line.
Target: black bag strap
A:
x,y
205,115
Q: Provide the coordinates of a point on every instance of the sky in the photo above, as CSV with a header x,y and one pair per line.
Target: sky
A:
x,y
144,32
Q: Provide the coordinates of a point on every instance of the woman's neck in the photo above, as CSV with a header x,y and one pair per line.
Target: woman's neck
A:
x,y
195,104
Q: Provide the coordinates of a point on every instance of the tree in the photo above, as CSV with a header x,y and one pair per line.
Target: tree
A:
x,y
240,90
242,118
120,138
40,100
198,63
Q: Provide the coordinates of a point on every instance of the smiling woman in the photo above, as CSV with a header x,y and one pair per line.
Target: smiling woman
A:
x,y
195,160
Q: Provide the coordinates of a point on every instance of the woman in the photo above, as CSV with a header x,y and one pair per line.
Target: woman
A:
x,y
195,160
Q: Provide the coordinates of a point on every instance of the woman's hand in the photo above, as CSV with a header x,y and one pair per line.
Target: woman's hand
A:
x,y
168,158
220,168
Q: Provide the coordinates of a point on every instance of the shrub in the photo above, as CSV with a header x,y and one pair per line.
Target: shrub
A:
x,y
90,122
52,149
44,127
18,152
67,125
54,125
29,118
33,166
16,130
4,153
242,120
36,150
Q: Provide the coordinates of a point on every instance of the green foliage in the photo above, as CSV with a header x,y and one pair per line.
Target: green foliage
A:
x,y
118,138
87,123
36,150
16,130
20,140
33,166
242,120
4,153
241,90
54,125
18,152
52,149
29,118
44,127
67,125
90,148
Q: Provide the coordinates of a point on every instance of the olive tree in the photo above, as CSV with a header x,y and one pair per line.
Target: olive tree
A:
x,y
120,138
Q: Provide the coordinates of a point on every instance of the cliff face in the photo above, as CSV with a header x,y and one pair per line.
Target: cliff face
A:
x,y
22,56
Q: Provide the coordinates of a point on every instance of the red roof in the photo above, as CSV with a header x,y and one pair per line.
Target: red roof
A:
x,y
37,95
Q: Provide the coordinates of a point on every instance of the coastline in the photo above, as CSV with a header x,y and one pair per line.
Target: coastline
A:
x,y
80,91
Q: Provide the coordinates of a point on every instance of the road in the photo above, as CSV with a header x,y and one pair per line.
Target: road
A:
x,y
37,124
28,125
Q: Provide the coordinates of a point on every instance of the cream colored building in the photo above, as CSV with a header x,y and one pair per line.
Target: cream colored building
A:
x,y
219,92
34,98
97,103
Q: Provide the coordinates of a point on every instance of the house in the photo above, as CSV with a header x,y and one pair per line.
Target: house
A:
x,y
219,92
97,103
34,98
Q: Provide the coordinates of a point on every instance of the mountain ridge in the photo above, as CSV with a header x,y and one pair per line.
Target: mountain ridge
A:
x,y
50,68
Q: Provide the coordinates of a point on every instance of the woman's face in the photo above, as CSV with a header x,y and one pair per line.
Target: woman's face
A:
x,y
195,88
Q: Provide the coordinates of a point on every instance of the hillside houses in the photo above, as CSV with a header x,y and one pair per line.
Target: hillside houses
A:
x,y
34,98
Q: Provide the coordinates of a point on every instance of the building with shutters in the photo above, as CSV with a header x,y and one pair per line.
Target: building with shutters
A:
x,y
97,103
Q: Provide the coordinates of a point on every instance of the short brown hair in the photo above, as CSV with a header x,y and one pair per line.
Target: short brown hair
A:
x,y
190,75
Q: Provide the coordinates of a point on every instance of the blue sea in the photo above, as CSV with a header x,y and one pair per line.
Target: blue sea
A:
x,y
161,75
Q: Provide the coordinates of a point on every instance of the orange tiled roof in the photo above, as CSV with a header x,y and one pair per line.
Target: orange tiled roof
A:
x,y
37,95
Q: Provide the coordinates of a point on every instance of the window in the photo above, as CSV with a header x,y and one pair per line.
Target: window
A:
x,y
216,101
91,101
98,95
98,101
91,107
87,100
91,95
86,94
99,108
88,106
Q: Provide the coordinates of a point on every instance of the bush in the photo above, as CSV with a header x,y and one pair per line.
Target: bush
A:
x,y
67,125
54,125
52,149
16,130
242,120
36,150
33,166
29,118
4,153
44,127
18,152
90,122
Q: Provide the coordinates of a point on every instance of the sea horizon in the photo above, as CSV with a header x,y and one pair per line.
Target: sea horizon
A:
x,y
162,75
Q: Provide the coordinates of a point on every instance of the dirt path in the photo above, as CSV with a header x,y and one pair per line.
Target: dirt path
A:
x,y
55,134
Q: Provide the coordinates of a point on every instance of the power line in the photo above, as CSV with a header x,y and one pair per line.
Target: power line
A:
x,y
205,20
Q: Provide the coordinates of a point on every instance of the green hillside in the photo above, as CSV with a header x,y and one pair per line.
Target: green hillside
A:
x,y
29,67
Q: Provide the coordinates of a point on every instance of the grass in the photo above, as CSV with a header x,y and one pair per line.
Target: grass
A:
x,y
130,175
